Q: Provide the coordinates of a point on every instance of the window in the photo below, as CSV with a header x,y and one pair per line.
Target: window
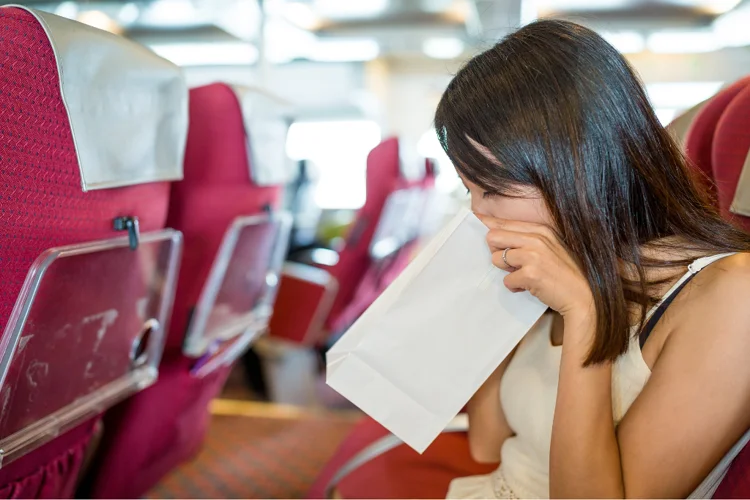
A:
x,y
338,150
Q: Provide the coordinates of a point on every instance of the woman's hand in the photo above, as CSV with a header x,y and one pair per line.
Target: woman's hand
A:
x,y
540,264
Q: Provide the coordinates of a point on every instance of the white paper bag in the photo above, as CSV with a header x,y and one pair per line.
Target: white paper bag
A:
x,y
425,346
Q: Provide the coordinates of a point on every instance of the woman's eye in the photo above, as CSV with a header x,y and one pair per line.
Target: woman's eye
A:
x,y
488,194
468,191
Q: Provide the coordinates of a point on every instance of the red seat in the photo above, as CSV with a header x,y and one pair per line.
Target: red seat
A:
x,y
400,472
699,139
165,425
42,198
405,225
292,320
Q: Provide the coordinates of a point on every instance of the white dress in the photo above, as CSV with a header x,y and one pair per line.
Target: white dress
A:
x,y
528,391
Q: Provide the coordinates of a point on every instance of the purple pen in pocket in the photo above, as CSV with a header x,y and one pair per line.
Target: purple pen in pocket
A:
x,y
213,348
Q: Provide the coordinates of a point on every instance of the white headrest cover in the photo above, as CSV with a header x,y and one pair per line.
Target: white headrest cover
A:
x,y
679,126
741,202
266,128
412,165
127,107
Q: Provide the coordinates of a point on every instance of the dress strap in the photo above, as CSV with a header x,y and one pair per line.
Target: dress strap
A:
x,y
694,268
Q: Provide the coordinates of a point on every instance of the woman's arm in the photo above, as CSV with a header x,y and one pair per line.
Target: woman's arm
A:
x,y
695,406
488,428
584,453
696,403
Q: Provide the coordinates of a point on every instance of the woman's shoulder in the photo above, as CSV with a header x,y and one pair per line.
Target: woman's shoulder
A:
x,y
725,276
718,301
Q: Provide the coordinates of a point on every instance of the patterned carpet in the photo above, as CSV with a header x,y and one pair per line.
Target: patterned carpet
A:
x,y
259,451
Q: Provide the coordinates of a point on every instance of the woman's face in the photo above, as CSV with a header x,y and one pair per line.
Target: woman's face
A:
x,y
528,206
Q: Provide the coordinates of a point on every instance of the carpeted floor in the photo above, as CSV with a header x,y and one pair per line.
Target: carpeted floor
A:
x,y
259,451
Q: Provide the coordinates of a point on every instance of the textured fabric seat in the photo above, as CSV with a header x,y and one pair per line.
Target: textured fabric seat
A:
x,y
43,203
698,143
165,425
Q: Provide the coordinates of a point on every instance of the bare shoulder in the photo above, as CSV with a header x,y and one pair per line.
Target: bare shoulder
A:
x,y
716,306
724,277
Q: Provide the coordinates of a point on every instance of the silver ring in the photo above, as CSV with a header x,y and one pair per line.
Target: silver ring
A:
x,y
505,255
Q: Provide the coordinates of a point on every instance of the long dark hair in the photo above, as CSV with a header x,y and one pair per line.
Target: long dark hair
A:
x,y
561,110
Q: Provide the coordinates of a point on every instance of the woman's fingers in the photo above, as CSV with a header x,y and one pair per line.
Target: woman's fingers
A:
x,y
517,226
510,259
517,281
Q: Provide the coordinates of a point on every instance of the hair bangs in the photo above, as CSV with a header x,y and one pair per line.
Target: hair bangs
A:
x,y
471,159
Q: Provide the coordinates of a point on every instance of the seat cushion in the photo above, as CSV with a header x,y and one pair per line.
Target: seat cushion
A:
x,y
400,472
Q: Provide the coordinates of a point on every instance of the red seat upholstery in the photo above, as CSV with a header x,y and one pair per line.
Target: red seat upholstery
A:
x,y
165,425
401,472
380,274
730,147
699,140
289,321
42,205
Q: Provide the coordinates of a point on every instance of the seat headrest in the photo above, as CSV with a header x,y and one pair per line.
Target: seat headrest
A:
x,y
681,124
411,166
266,125
127,107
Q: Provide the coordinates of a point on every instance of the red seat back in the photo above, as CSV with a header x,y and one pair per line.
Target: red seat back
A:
x,y
730,148
384,176
217,188
699,141
43,205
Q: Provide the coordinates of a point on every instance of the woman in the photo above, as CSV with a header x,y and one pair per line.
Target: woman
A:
x,y
591,208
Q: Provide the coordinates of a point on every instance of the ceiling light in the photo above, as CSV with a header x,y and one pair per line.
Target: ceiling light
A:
x,y
683,42
129,13
285,42
626,42
208,54
301,15
100,20
719,6
443,48
240,19
170,13
350,8
732,28
435,6
714,7
344,50
67,9
580,5
459,11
